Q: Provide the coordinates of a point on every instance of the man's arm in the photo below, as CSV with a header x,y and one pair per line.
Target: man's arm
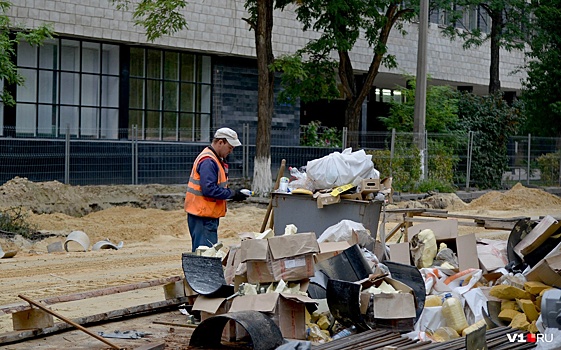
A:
x,y
208,170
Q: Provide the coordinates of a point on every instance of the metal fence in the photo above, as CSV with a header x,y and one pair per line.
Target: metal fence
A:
x,y
532,161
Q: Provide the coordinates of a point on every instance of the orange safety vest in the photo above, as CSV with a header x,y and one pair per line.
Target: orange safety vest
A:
x,y
195,202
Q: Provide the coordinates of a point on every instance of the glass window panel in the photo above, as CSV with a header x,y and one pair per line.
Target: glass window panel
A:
x,y
47,87
152,126
136,96
109,123
89,122
28,91
169,130
187,97
137,62
153,94
110,91
171,66
70,55
204,127
136,118
25,122
187,67
171,92
110,60
47,120
154,64
90,90
26,55
90,57
186,121
69,118
69,88
48,54
203,99
204,69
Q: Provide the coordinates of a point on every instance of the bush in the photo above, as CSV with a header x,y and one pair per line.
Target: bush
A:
x,y
13,221
316,135
405,166
435,185
549,167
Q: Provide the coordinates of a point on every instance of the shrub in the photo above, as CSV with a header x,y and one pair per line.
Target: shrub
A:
x,y
549,167
316,135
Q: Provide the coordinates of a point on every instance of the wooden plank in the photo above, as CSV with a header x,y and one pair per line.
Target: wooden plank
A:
x,y
70,322
14,336
8,309
186,325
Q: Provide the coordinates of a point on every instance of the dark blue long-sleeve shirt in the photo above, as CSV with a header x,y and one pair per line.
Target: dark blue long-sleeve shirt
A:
x,y
208,170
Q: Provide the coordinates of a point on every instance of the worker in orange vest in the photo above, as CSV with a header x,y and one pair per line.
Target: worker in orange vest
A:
x,y
207,190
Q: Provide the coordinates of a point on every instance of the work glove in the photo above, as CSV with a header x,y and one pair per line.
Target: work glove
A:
x,y
239,196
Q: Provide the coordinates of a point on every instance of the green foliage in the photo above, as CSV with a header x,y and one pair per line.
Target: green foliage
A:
x,y
442,161
405,166
8,70
435,185
316,135
158,17
14,221
441,110
306,79
549,168
542,86
492,120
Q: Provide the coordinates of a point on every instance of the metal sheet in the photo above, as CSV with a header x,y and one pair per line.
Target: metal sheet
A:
x,y
302,211
343,300
205,275
350,265
410,276
264,333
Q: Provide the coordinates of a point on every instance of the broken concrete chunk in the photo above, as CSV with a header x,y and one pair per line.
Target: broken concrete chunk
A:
x,y
509,304
508,315
520,322
535,287
532,328
507,292
527,306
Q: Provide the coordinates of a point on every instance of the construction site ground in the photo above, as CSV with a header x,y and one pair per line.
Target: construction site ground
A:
x,y
152,225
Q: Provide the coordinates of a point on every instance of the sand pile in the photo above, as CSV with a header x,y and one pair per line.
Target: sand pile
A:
x,y
518,197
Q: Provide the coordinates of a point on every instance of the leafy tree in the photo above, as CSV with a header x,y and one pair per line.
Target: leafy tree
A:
x,y
492,120
164,17
509,21
341,24
541,88
8,42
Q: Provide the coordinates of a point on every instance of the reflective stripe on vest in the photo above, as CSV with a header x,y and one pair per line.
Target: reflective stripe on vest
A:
x,y
195,202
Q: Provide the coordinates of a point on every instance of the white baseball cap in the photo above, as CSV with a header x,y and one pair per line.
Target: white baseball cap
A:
x,y
230,135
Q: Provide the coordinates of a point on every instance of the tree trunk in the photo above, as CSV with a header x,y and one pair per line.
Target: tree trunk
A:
x,y
496,26
262,178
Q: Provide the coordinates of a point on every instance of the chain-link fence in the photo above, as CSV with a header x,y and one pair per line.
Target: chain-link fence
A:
x,y
529,160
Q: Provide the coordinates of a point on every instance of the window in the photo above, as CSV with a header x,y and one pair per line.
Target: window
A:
x,y
170,95
68,84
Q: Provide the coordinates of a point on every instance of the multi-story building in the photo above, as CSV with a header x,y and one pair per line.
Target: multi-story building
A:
x,y
100,75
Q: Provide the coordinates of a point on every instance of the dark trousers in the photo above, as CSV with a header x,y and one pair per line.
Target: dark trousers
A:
x,y
203,231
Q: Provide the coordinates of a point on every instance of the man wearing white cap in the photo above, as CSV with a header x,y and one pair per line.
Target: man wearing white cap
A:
x,y
207,190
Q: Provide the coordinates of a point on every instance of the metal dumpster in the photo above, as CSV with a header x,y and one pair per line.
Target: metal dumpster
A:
x,y
302,211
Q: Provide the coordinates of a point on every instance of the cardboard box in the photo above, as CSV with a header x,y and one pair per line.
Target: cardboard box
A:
x,y
446,231
287,257
388,306
401,253
539,234
547,271
492,254
330,249
217,306
288,311
369,185
327,199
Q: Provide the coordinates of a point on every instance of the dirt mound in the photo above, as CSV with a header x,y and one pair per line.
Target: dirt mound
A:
x,y
448,201
55,197
518,197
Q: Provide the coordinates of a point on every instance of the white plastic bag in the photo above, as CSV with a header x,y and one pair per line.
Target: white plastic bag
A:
x,y
340,232
337,169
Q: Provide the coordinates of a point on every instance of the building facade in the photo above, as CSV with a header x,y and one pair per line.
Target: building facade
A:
x,y
99,76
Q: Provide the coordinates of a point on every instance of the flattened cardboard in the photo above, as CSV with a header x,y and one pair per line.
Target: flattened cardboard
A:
x,y
293,245
206,304
391,305
492,255
539,234
401,253
442,229
547,271
254,249
287,310
330,249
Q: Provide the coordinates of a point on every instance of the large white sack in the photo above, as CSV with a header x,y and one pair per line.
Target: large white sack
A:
x,y
337,169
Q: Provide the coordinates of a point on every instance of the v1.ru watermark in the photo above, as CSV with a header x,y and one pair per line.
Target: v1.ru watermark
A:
x,y
530,338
